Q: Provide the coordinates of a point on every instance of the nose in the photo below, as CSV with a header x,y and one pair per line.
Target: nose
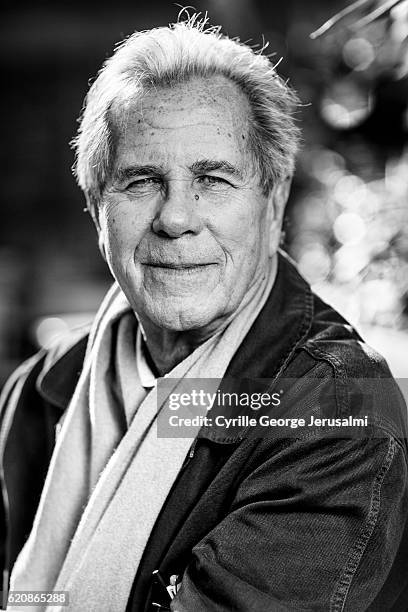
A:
x,y
177,213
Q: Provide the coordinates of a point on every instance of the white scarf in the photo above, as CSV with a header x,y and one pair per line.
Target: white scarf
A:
x,y
110,474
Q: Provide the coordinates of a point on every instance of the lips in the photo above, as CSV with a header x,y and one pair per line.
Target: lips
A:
x,y
178,265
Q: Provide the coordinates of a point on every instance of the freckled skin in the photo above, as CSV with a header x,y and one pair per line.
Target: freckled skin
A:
x,y
184,263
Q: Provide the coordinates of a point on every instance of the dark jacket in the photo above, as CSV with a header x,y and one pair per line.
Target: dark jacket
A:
x,y
314,520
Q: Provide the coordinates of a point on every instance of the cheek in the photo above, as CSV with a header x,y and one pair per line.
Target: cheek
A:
x,y
239,230
113,238
120,229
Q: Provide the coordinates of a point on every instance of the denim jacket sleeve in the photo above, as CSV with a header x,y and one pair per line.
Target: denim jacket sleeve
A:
x,y
314,526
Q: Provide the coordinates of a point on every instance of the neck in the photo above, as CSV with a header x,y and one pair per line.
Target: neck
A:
x,y
168,348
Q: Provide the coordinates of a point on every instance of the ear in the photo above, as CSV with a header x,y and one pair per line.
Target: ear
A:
x,y
101,244
276,207
92,206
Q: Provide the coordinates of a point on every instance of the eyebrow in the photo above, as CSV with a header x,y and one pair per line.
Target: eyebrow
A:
x,y
201,166
130,172
211,165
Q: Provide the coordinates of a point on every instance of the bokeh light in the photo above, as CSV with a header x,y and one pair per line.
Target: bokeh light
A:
x,y
349,228
315,263
350,260
358,53
346,104
49,329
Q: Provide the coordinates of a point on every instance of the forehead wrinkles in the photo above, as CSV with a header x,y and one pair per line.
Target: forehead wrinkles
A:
x,y
167,107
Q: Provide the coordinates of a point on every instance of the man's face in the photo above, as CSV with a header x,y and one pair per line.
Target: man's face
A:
x,y
183,222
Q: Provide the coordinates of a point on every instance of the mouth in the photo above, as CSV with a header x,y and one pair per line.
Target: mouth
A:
x,y
178,266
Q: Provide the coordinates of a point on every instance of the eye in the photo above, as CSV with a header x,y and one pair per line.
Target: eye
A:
x,y
213,181
145,185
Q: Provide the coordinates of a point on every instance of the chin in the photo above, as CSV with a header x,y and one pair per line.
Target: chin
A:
x,y
179,318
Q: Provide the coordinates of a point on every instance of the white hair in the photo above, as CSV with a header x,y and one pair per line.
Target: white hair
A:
x,y
169,55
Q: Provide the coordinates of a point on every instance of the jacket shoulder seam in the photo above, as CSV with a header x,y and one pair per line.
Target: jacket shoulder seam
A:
x,y
303,330
338,374
321,355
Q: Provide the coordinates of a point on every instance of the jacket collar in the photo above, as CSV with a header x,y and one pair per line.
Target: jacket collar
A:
x,y
61,370
279,329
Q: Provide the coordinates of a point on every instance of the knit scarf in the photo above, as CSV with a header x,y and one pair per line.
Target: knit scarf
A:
x,y
110,473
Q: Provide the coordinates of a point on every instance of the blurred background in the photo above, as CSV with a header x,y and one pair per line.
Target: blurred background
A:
x,y
347,219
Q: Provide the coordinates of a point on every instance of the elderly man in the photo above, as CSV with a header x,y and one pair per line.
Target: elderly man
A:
x,y
185,154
